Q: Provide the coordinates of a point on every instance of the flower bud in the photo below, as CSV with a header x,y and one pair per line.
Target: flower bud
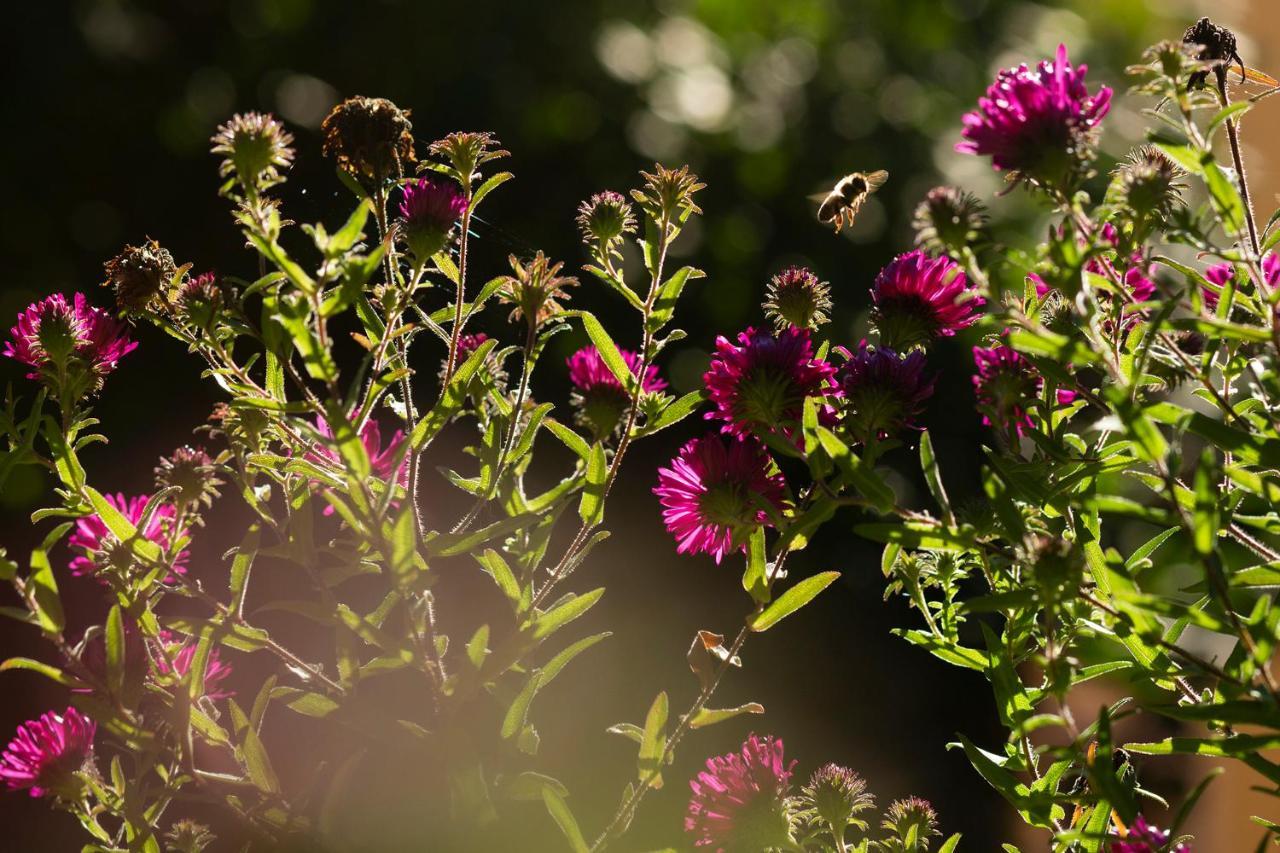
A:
x,y
605,218
187,836
668,193
254,148
949,219
370,138
193,472
835,795
796,297
913,813
1148,183
466,151
429,208
200,300
536,289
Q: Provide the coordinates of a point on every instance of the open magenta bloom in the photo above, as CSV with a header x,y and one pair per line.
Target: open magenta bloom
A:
x,y
760,383
599,399
53,333
1218,274
917,299
429,208
1006,386
740,801
1037,122
1145,838
884,392
182,652
45,753
98,550
715,493
382,459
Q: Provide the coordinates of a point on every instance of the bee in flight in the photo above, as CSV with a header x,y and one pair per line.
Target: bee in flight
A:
x,y
841,205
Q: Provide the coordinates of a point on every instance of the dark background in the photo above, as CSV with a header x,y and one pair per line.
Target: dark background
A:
x,y
111,106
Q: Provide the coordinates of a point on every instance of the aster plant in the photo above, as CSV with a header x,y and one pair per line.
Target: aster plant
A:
x,y
1124,380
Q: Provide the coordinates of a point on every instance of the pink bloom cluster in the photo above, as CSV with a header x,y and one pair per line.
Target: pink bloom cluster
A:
x,y
739,800
590,375
98,550
52,332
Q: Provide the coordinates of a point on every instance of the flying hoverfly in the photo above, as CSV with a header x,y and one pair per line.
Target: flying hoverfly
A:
x,y
839,206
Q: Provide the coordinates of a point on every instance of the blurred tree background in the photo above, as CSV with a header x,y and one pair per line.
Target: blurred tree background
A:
x,y
111,108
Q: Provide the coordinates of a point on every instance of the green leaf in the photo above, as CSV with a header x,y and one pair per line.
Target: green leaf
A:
x,y
653,741
609,353
675,412
518,713
933,477
121,528
1206,518
455,394
44,590
115,646
491,183
755,579
496,567
861,475
569,438
792,600
252,752
564,819
241,567
591,505
951,844
50,672
561,660
710,716
918,534
557,617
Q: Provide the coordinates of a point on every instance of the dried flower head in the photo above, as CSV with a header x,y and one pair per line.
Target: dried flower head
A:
x,y
193,473
714,494
739,802
1213,43
71,345
605,218
140,274
884,392
370,138
187,836
949,219
1040,124
46,753
797,297
760,383
200,300
255,149
836,795
917,299
429,208
910,818
599,399
668,193
536,289
1149,183
466,152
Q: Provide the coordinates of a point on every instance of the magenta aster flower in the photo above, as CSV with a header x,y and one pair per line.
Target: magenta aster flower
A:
x,y
714,494
429,208
598,397
98,550
740,801
1145,838
1007,385
917,299
181,652
382,460
760,383
45,754
468,344
1040,124
56,337
884,392
1218,274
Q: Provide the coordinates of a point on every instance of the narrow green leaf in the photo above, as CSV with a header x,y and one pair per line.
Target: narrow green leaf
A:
x,y
792,600
754,579
653,740
557,617
44,589
609,353
564,819
933,477
115,646
710,716
591,504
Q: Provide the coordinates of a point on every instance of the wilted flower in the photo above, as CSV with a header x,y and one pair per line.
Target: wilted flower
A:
x,y
428,210
739,802
467,150
1142,837
139,274
836,795
254,148
536,289
46,753
797,297
715,494
200,300
599,399
370,138
917,299
884,392
912,817
1040,124
668,193
605,218
1216,44
72,345
187,836
760,383
193,473
949,219
1006,385
1149,183
98,550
